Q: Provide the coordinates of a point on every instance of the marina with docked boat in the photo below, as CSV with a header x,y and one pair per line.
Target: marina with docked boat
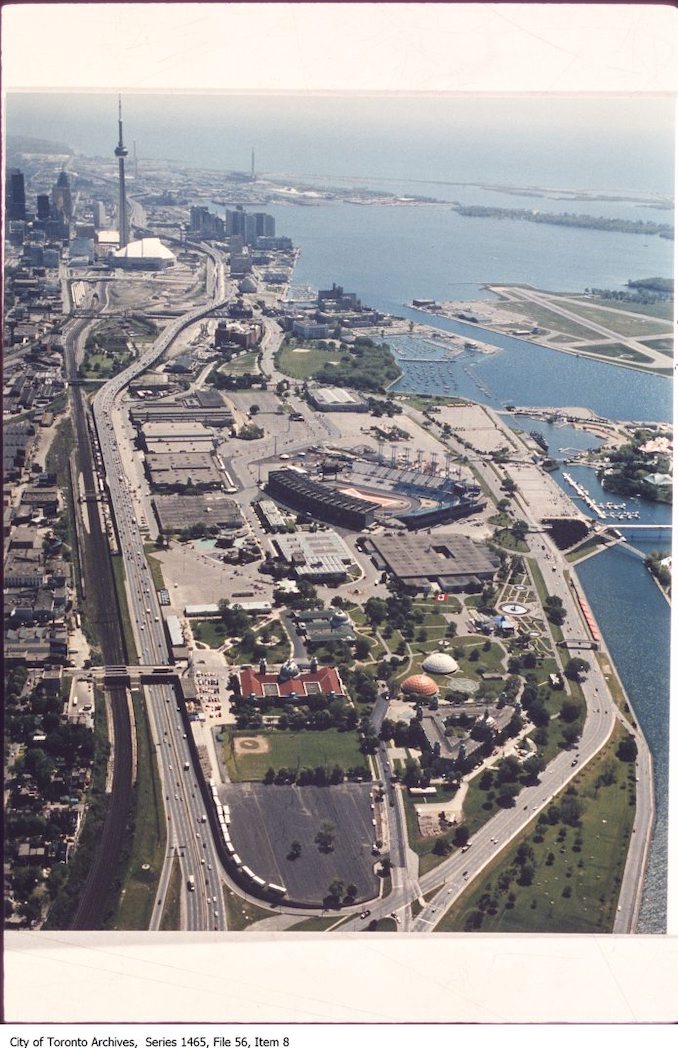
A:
x,y
604,511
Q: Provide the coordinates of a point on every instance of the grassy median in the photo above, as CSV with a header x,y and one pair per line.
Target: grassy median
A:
x,y
149,831
171,913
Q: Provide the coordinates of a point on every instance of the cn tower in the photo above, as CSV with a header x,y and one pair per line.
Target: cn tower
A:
x,y
121,153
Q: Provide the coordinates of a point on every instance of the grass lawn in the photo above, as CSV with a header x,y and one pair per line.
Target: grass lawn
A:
x,y
436,608
577,870
423,846
615,317
310,749
542,594
154,566
316,924
275,653
591,545
209,631
502,520
662,345
542,315
148,845
213,633
300,362
244,364
240,913
507,540
130,645
97,365
557,340
171,913
615,350
490,661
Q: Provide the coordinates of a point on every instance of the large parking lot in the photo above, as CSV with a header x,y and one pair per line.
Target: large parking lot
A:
x,y
266,819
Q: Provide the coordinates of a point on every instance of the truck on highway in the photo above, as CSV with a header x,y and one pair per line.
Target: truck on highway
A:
x,y
191,883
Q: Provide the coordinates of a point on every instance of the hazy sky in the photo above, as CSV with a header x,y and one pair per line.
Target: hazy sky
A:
x,y
600,143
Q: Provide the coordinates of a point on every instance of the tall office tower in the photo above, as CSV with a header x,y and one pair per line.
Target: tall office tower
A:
x,y
253,176
61,196
265,224
235,221
121,153
250,229
99,210
43,207
16,196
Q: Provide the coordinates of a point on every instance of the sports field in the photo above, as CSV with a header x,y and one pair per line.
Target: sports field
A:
x,y
286,749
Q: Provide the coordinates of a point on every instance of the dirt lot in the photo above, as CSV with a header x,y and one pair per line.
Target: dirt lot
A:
x,y
472,423
266,819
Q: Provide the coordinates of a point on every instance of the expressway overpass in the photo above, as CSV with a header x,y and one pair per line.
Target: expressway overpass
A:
x,y
132,674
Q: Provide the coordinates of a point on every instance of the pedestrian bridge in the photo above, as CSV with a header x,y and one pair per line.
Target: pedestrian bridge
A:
x,y
125,674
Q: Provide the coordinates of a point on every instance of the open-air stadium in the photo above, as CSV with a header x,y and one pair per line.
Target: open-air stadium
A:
x,y
418,497
362,492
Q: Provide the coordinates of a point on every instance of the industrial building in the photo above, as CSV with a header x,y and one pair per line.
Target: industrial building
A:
x,y
163,438
36,645
176,512
271,517
210,414
319,500
319,556
183,470
452,563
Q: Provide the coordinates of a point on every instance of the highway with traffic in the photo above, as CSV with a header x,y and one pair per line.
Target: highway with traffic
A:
x,y
189,836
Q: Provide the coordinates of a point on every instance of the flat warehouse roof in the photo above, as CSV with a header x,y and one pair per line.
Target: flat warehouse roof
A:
x,y
424,556
181,511
311,545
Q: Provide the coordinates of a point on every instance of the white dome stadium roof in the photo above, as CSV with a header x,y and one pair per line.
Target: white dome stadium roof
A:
x,y
148,247
439,662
